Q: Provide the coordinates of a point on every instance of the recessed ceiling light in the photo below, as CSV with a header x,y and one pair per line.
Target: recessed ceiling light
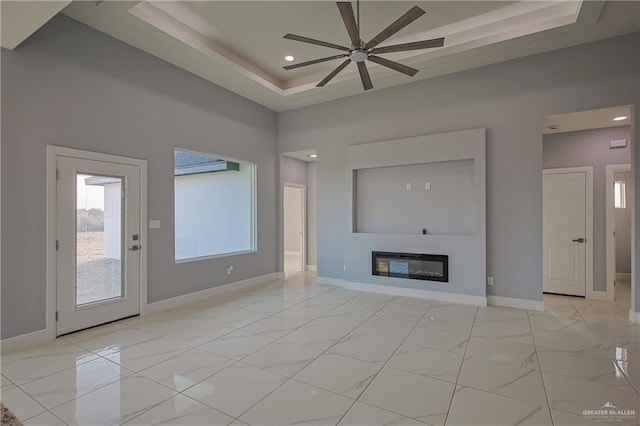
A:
x,y
620,118
289,58
312,155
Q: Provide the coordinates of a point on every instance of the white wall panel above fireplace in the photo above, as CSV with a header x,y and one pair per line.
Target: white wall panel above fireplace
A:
x,y
460,154
405,199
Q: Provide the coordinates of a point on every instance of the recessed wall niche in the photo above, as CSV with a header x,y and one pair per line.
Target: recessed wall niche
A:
x,y
407,199
382,216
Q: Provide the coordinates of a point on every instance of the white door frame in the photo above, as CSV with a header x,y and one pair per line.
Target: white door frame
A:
x,y
304,220
610,220
52,153
588,171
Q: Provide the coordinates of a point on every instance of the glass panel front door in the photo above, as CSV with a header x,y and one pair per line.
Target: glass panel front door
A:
x,y
99,251
98,241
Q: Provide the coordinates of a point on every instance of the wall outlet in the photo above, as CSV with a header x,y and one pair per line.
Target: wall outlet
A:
x,y
229,269
155,224
489,280
408,186
427,186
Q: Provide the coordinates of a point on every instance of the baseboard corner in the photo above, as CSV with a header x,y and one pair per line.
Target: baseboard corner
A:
x,y
512,302
331,281
623,276
23,341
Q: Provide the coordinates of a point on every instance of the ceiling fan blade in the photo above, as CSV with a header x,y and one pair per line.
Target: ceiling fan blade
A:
x,y
346,10
416,45
314,41
315,61
399,24
364,76
333,73
396,66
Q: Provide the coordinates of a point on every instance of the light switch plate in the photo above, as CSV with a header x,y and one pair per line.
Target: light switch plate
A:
x,y
427,186
408,186
154,224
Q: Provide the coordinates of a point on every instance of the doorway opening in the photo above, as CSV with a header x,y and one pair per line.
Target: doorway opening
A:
x,y
294,207
578,152
619,199
298,177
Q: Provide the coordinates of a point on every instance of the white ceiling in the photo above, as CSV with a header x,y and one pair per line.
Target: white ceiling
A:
x,y
20,19
302,155
239,44
587,120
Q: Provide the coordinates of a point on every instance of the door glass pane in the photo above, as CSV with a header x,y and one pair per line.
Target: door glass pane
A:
x,y
99,250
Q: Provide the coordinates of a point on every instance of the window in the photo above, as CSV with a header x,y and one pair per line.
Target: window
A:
x,y
619,195
214,206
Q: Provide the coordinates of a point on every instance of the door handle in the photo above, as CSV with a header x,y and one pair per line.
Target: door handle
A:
x,y
579,240
135,248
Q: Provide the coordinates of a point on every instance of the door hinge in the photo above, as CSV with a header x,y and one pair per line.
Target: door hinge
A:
x,y
57,174
57,245
56,315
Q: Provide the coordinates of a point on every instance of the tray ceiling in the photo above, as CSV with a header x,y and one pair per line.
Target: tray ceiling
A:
x,y
239,44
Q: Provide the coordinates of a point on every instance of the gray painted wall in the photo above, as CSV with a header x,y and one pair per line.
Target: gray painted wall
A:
x,y
293,171
72,86
385,205
590,148
509,99
623,226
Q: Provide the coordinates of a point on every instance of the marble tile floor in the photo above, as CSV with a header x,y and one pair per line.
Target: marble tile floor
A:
x,y
296,352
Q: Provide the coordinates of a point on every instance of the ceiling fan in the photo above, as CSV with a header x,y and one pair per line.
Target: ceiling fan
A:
x,y
360,52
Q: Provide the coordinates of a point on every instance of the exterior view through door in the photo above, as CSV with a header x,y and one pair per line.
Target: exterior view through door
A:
x,y
98,242
564,222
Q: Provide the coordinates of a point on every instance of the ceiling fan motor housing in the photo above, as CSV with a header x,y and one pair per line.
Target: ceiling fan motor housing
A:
x,y
359,55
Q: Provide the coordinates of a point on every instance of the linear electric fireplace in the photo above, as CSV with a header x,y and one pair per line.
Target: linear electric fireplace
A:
x,y
430,267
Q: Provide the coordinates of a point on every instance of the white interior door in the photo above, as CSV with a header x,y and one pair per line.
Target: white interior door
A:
x,y
294,241
98,242
564,233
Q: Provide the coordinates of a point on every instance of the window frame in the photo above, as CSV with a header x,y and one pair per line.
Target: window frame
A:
x,y
254,216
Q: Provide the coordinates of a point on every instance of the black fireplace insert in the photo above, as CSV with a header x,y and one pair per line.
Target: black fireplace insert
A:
x,y
430,267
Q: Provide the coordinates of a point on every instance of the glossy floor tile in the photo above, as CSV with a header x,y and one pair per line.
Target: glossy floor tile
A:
x,y
296,352
298,403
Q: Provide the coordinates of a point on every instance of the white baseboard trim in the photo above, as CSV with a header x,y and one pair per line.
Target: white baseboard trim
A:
x,y
623,276
634,316
600,295
280,275
23,341
203,294
330,281
464,299
510,302
313,268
